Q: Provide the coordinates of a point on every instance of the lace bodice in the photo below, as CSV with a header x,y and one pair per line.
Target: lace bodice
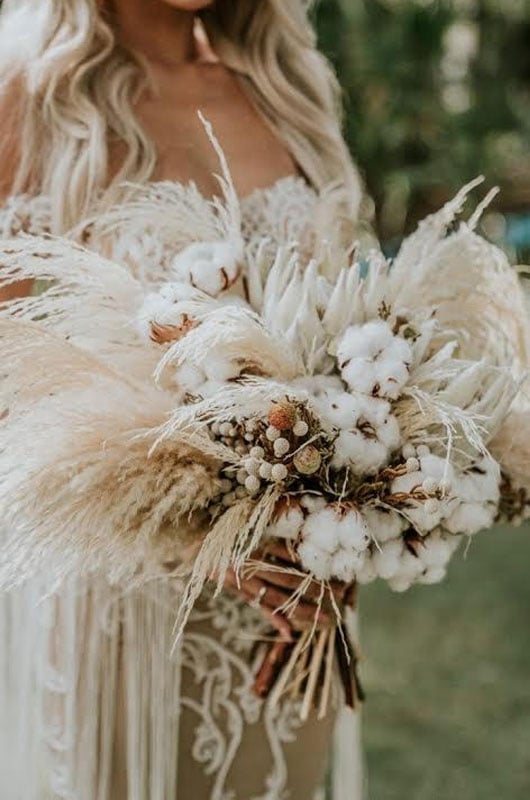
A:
x,y
138,235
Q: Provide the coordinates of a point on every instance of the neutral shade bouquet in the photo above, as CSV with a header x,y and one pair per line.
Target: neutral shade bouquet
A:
x,y
366,416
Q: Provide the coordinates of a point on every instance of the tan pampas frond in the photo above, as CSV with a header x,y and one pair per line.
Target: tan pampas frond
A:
x,y
94,493
477,294
80,295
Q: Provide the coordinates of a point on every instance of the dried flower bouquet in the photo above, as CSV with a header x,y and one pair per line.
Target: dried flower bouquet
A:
x,y
366,424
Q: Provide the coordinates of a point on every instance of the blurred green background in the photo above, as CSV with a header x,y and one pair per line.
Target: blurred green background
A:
x,y
437,93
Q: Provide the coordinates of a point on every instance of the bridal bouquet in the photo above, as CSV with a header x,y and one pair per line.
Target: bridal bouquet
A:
x,y
365,418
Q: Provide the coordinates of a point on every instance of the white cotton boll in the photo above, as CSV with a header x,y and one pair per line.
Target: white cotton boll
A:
x,y
322,530
410,566
360,375
481,482
409,452
317,385
390,376
341,409
399,350
436,468
353,531
189,377
389,434
211,267
432,576
211,388
471,518
164,307
366,573
435,551
387,559
315,560
364,341
313,502
345,564
219,368
364,455
375,410
384,525
288,524
422,520
400,584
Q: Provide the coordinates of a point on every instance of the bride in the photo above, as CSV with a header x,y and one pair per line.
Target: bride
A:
x,y
96,93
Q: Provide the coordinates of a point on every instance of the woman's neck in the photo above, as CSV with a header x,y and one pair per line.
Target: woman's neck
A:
x,y
155,30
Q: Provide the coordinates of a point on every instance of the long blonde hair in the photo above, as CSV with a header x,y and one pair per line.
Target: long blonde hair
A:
x,y
78,89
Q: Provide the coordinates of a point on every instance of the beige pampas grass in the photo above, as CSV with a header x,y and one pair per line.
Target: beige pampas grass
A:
x,y
94,493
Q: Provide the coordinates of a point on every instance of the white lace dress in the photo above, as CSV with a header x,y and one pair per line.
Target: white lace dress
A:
x,y
95,702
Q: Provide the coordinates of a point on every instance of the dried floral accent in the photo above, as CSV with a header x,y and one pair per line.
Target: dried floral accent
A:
x,y
166,334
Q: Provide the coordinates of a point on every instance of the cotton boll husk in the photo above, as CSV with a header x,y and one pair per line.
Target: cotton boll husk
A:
x,y
345,564
471,518
387,560
353,531
315,560
321,529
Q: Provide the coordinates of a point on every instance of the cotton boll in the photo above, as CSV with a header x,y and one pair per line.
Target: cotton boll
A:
x,y
341,409
422,520
165,307
315,560
390,376
344,565
471,518
189,378
389,434
410,566
364,455
211,267
437,468
481,482
288,524
387,560
400,583
435,551
322,530
219,368
384,525
432,576
364,341
353,531
360,375
313,502
317,385
366,573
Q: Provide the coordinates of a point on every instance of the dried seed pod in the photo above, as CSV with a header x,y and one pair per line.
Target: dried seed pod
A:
x,y
281,447
252,484
272,433
301,428
282,416
257,452
308,460
279,472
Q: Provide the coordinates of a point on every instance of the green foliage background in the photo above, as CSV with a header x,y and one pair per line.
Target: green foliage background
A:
x,y
436,92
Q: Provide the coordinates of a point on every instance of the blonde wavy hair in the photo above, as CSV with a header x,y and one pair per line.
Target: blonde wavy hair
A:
x,y
76,89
